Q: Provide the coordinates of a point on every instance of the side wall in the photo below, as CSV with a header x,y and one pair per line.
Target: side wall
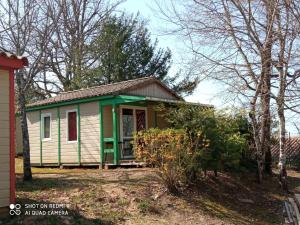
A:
x,y
90,133
50,147
156,119
33,121
69,150
4,139
89,150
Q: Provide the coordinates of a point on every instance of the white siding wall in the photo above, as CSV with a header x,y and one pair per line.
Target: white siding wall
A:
x,y
69,151
33,120
152,90
90,133
50,147
4,139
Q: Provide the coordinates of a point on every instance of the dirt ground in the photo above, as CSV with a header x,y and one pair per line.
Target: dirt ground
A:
x,y
135,196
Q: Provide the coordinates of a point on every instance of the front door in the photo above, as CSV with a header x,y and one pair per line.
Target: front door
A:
x,y
132,119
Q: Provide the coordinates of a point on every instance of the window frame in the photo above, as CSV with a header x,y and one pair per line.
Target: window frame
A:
x,y
67,123
43,115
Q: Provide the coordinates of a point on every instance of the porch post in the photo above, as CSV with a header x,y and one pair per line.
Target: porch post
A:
x,y
78,135
41,142
58,134
101,134
115,134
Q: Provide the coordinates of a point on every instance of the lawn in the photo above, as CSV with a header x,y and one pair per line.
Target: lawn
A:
x,y
135,196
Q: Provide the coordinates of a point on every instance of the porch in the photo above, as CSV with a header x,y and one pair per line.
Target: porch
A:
x,y
120,117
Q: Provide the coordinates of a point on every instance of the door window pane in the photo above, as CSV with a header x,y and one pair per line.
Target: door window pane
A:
x,y
127,119
46,123
72,126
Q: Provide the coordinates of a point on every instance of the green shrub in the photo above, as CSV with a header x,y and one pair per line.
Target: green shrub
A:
x,y
201,139
172,152
227,134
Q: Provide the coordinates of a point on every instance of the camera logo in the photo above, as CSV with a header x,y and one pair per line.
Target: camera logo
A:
x,y
15,209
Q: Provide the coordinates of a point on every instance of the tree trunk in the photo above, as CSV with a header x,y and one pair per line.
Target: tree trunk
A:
x,y
282,154
266,156
266,63
268,160
257,141
27,175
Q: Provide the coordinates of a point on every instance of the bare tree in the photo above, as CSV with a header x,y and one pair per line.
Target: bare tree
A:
x,y
238,43
77,23
26,30
287,29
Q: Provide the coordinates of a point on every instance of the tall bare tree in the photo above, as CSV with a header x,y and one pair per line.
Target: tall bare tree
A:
x,y
237,43
287,29
26,30
77,23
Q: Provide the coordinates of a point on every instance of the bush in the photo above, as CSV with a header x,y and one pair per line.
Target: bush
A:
x,y
172,152
227,134
201,139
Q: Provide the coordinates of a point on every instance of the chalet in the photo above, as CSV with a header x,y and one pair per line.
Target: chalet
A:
x,y
95,126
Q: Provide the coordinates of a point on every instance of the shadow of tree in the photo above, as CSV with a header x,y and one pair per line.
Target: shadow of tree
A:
x,y
238,199
67,181
241,201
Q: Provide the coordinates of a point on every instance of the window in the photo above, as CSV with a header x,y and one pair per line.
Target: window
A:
x,y
46,126
140,115
127,118
72,125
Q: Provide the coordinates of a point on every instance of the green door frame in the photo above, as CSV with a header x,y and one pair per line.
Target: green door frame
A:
x,y
114,102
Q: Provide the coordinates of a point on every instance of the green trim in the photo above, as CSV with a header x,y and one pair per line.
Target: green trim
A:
x,y
109,150
71,102
59,138
108,139
78,134
136,104
108,99
132,97
115,134
114,101
101,133
122,99
41,142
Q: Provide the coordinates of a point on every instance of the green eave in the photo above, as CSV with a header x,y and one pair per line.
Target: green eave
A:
x,y
105,100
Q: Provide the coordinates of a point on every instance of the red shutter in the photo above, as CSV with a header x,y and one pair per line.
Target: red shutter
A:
x,y
140,120
72,126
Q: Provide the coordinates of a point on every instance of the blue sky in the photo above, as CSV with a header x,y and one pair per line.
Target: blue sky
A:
x,y
207,91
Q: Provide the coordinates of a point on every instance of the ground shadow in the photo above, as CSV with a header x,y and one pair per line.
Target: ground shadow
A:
x,y
73,216
239,200
71,181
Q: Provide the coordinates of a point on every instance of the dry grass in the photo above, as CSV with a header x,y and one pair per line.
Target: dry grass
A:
x,y
135,196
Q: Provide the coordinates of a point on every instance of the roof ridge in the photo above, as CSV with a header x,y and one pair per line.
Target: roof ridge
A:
x,y
94,87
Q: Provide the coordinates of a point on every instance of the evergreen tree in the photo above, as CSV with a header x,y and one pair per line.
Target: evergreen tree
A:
x,y
123,50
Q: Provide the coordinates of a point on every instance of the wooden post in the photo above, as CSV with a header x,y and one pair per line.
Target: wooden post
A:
x,y
59,138
115,134
79,135
101,134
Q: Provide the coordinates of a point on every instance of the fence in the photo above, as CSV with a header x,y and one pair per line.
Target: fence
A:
x,y
292,151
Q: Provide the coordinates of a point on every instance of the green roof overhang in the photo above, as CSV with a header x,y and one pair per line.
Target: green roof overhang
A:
x,y
105,100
